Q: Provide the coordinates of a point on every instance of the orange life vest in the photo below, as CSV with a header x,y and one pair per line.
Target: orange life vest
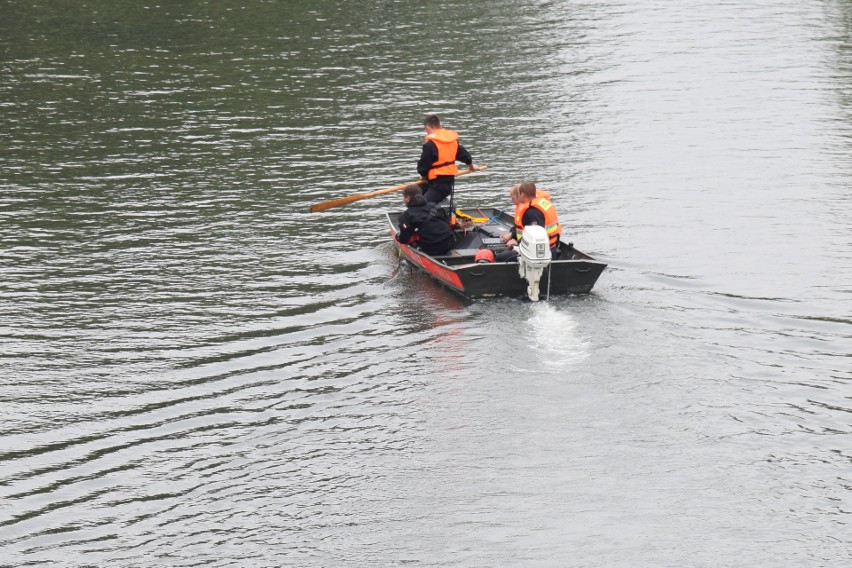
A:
x,y
543,204
447,143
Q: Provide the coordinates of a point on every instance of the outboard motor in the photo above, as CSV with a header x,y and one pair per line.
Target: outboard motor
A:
x,y
534,257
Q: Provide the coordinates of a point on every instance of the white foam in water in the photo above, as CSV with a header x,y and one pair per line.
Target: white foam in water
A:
x,y
555,336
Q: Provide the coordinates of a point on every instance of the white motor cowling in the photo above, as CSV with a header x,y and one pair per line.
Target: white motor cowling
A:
x,y
534,256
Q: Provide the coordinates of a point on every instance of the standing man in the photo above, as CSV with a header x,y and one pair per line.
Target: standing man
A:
x,y
437,164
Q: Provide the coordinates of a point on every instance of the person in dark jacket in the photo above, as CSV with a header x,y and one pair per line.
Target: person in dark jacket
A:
x,y
424,224
438,157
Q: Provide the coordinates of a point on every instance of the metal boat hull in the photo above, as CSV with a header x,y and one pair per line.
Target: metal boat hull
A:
x,y
574,272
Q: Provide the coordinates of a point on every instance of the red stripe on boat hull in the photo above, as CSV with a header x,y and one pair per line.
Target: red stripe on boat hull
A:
x,y
439,271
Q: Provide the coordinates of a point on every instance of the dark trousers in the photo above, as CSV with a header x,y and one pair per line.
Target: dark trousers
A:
x,y
507,255
511,255
438,189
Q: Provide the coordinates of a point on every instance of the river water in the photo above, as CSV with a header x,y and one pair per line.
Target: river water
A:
x,y
196,371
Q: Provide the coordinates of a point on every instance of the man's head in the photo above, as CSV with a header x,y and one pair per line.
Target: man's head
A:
x,y
515,193
527,191
431,123
409,192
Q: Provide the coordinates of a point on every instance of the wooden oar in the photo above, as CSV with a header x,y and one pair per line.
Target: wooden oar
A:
x,y
322,206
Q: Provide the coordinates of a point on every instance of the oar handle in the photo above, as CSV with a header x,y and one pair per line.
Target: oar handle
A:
x,y
322,206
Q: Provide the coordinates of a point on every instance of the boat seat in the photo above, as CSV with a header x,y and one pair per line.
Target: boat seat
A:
x,y
468,241
464,252
494,232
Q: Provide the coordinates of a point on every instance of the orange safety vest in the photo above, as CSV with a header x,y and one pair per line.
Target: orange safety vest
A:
x,y
447,143
543,204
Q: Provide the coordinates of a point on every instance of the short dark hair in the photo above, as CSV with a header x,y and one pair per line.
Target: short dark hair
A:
x,y
410,191
432,120
527,188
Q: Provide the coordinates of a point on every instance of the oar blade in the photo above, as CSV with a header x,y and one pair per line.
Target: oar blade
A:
x,y
335,203
350,198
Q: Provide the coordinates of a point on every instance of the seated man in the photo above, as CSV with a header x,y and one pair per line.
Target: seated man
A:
x,y
532,207
424,224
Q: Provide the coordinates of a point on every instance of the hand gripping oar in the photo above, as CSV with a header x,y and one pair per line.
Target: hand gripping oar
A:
x,y
323,205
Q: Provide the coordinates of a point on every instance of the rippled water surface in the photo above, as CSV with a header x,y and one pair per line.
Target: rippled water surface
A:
x,y
198,371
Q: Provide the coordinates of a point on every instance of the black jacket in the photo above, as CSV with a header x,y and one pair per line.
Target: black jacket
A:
x,y
532,216
429,154
429,224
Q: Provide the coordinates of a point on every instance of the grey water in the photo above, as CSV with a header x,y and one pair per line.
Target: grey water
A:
x,y
196,371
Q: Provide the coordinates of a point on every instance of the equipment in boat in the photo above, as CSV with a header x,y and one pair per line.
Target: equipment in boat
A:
x,y
533,257
484,255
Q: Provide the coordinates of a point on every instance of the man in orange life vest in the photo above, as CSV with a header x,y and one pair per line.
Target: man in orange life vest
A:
x,y
437,164
532,207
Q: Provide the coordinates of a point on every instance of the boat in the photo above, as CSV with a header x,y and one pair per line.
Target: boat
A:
x,y
468,272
